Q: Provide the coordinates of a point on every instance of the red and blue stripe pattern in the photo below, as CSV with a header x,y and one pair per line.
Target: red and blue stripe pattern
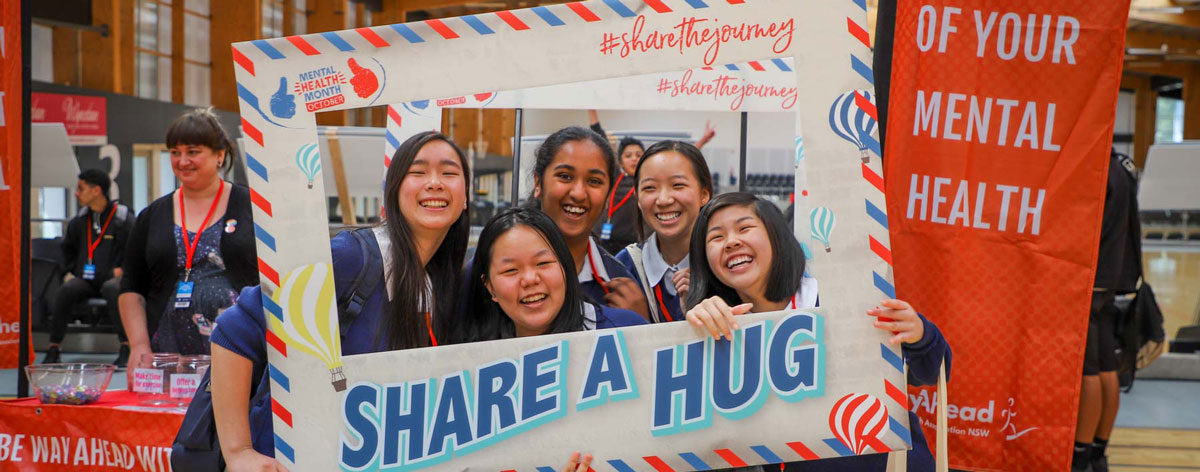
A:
x,y
483,24
875,210
391,140
263,215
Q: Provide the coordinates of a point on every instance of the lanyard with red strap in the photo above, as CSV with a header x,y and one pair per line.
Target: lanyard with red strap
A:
x,y
100,237
429,325
662,306
595,273
793,301
190,246
612,197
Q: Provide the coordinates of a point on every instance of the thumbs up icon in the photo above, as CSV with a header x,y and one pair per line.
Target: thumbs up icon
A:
x,y
364,81
283,104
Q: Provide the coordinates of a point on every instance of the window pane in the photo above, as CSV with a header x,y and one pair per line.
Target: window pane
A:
x,y
147,30
141,183
197,89
301,19
164,79
195,38
42,58
147,75
198,6
164,29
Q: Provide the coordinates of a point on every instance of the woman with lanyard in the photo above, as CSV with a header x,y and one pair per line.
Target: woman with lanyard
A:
x,y
572,175
745,259
413,262
673,183
191,251
618,229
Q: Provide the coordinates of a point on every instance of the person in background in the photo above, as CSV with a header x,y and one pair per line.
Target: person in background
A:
x,y
744,259
572,175
93,250
673,183
1118,268
617,229
418,251
191,251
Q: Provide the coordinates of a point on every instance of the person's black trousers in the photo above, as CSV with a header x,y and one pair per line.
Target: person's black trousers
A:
x,y
77,290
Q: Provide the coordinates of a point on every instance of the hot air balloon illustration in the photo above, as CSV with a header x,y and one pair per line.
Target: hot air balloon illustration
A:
x,y
308,158
858,421
850,122
821,220
310,319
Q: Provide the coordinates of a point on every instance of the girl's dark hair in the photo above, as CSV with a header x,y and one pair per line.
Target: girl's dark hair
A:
x,y
699,167
406,327
787,268
201,127
483,319
554,143
629,141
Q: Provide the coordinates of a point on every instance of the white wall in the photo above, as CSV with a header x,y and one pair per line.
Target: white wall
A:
x,y
770,136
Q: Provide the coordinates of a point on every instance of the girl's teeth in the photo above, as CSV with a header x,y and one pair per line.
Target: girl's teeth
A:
x,y
534,298
667,216
575,209
434,204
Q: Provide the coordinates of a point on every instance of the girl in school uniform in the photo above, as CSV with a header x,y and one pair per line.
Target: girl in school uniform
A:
x,y
422,244
521,285
672,183
744,259
573,176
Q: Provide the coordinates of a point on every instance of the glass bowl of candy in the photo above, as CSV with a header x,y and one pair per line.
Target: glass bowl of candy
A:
x,y
69,384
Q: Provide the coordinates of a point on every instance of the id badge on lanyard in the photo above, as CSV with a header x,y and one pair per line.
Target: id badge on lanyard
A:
x,y
183,294
606,231
89,271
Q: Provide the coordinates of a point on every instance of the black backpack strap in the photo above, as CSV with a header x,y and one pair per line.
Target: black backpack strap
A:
x,y
351,302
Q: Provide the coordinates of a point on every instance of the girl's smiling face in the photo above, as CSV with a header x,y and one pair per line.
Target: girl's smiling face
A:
x,y
526,279
739,250
434,191
670,195
573,188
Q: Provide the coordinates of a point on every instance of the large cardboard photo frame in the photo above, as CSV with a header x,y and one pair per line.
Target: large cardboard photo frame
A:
x,y
321,400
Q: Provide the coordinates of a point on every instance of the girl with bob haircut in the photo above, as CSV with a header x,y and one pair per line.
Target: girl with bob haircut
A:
x,y
573,176
672,182
417,254
521,285
744,259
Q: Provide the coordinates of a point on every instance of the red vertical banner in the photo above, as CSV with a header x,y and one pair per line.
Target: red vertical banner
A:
x,y
998,140
11,157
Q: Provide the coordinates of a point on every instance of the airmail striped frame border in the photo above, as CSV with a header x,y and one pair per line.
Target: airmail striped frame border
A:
x,y
251,58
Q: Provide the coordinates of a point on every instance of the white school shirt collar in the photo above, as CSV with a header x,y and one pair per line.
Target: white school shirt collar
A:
x,y
807,296
589,316
593,257
385,251
656,267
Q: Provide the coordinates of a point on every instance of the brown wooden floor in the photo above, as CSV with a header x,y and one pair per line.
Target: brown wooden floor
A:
x,y
1154,450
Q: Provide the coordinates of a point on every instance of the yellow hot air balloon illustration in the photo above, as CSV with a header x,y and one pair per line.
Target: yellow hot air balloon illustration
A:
x,y
310,318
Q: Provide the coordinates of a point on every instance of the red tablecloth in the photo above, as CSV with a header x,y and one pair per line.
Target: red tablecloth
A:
x,y
104,436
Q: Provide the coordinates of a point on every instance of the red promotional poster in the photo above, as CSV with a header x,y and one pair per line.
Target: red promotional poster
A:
x,y
85,117
998,143
107,436
10,181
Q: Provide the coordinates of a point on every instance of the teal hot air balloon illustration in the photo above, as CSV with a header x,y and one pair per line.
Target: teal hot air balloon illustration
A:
x,y
822,221
308,158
